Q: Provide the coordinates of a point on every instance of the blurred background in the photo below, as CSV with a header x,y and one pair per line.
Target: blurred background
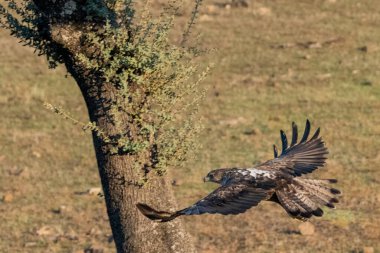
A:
x,y
274,62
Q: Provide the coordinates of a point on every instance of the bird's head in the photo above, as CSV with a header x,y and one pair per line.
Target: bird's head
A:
x,y
215,176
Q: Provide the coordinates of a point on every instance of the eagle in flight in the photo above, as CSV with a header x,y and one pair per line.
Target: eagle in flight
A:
x,y
278,180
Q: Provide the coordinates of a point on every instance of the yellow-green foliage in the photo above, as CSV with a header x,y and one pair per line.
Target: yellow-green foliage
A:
x,y
157,81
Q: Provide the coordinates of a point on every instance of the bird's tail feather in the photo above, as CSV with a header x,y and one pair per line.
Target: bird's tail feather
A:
x,y
305,197
160,216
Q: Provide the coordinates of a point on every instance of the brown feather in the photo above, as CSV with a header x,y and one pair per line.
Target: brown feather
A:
x,y
153,214
303,198
299,158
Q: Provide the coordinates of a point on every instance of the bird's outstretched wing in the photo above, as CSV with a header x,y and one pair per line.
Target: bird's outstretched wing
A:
x,y
227,199
298,158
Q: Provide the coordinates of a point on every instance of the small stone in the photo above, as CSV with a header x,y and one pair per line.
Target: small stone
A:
x,y
71,235
30,244
45,231
175,182
212,9
95,191
94,231
250,132
263,11
205,18
306,228
36,154
232,121
323,77
314,45
307,57
368,250
8,197
63,209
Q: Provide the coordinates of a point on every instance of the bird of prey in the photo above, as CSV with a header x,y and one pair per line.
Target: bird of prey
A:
x,y
278,180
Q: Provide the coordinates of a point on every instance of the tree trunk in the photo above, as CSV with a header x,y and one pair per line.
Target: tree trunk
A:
x,y
132,231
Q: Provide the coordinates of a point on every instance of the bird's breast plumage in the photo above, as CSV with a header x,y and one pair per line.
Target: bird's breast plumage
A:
x,y
251,176
257,173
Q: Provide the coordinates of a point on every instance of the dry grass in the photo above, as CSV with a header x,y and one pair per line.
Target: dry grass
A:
x,y
266,75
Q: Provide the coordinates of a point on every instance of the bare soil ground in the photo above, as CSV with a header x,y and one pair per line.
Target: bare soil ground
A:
x,y
275,62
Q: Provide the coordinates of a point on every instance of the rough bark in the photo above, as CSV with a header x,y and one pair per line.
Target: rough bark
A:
x,y
132,232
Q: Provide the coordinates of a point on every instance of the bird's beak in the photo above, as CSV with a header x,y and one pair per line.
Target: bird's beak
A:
x,y
206,179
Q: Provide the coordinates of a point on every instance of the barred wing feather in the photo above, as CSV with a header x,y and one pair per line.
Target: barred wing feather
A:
x,y
299,158
229,199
